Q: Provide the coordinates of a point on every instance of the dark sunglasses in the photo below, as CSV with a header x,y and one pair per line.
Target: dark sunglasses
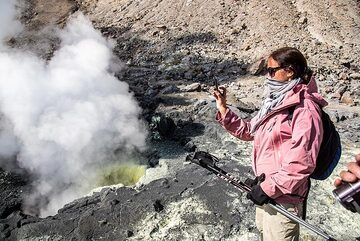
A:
x,y
271,71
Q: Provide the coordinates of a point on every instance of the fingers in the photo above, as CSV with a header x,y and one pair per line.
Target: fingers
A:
x,y
222,90
337,182
220,93
348,176
353,173
354,168
357,157
217,96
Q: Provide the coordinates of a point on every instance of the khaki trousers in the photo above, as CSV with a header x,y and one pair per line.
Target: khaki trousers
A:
x,y
274,226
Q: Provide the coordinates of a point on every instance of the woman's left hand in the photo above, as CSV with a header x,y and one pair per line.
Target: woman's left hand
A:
x,y
220,97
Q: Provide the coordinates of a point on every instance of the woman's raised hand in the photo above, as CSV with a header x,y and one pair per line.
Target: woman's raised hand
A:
x,y
220,97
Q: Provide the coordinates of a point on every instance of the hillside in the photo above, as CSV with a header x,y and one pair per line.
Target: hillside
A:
x,y
169,53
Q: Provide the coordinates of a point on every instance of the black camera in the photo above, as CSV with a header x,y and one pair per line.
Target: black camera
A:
x,y
348,194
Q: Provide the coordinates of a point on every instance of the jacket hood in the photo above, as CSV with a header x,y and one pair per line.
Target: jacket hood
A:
x,y
307,91
311,92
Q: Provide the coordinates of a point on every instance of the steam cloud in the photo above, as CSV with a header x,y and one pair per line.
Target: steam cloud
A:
x,y
9,26
63,118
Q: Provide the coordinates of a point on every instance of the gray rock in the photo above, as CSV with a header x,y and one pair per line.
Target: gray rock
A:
x,y
257,67
303,20
191,88
341,115
343,76
164,125
161,27
190,147
355,76
151,92
335,96
333,114
356,91
170,89
189,75
153,161
158,207
13,186
347,99
340,91
200,103
91,218
246,107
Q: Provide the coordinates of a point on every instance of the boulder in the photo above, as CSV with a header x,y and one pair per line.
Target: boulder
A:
x,y
347,99
355,76
190,147
169,90
192,87
257,67
246,107
341,90
303,20
164,125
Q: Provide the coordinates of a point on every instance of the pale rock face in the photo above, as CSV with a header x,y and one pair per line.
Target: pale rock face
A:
x,y
166,225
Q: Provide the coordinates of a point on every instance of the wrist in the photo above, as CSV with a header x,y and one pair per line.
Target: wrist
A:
x,y
223,110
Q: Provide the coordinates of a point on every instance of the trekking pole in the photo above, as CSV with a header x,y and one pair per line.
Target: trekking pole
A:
x,y
208,161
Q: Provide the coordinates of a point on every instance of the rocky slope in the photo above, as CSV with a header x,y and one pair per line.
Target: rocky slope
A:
x,y
173,50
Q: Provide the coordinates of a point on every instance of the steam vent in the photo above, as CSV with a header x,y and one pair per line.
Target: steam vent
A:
x,y
101,101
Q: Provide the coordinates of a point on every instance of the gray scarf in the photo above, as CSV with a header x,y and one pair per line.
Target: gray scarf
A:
x,y
275,92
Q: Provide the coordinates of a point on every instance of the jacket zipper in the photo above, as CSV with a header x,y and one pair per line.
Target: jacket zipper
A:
x,y
272,125
276,111
273,141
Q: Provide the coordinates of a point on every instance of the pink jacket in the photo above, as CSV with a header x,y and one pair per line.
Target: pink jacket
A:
x,y
284,147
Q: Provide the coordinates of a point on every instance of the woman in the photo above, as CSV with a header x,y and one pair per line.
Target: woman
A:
x,y
286,134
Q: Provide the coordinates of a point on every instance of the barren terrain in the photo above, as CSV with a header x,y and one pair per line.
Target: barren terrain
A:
x,y
170,52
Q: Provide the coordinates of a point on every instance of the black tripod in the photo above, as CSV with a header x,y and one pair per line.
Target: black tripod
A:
x,y
208,161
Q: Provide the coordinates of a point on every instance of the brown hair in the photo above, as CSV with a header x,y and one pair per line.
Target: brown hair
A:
x,y
295,60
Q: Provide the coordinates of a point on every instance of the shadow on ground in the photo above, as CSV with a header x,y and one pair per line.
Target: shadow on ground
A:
x,y
155,64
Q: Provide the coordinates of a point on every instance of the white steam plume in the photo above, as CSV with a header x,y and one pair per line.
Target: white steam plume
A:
x,y
64,118
9,26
